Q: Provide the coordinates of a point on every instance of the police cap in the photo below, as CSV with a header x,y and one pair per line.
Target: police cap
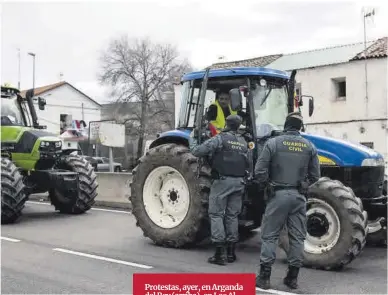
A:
x,y
233,122
294,120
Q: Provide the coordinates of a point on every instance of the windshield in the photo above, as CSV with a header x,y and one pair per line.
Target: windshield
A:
x,y
270,105
10,112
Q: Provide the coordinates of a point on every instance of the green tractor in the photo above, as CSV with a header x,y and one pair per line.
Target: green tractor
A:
x,y
33,161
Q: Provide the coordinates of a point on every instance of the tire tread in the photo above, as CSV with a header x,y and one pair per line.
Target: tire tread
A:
x,y
357,217
87,185
193,230
13,192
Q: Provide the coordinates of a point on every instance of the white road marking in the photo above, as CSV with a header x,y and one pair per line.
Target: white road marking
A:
x,y
39,203
10,239
276,291
111,210
103,258
97,209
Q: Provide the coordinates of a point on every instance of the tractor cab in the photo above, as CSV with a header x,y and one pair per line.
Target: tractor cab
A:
x,y
11,109
19,111
263,96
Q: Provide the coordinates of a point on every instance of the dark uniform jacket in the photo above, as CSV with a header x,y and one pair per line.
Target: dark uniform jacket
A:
x,y
286,160
228,152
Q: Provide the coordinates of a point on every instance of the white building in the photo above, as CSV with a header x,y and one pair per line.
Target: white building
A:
x,y
335,77
66,106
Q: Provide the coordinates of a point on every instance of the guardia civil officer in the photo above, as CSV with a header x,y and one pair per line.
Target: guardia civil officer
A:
x,y
286,166
228,152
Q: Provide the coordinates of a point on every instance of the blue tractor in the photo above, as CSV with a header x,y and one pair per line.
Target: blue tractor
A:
x,y
170,187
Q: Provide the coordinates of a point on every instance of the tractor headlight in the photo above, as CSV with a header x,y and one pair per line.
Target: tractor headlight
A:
x,y
58,144
44,143
373,162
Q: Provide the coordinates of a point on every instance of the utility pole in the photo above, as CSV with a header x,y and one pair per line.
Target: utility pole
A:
x,y
19,73
369,14
33,69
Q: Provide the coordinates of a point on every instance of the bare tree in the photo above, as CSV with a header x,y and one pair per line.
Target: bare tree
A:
x,y
139,70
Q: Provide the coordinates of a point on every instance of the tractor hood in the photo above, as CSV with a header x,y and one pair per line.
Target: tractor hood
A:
x,y
344,153
25,140
331,151
48,136
14,132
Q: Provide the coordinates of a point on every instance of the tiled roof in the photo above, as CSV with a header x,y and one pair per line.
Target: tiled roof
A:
x,y
314,58
318,57
43,89
376,50
40,90
252,62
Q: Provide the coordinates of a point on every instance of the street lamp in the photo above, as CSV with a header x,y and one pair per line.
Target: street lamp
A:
x,y
33,69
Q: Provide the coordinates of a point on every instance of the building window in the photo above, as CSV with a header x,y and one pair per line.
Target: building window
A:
x,y
368,144
339,85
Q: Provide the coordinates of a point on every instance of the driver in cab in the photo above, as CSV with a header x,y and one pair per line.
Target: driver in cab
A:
x,y
219,110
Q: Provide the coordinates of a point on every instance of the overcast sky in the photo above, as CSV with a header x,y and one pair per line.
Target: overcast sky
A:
x,y
68,37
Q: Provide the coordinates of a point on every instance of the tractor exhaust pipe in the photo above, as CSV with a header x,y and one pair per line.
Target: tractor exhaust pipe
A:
x,y
291,90
34,117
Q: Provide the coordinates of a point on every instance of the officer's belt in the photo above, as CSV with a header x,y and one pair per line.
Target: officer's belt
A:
x,y
216,175
231,176
284,187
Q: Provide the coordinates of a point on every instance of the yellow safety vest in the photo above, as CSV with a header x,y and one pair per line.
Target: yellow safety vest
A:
x,y
219,122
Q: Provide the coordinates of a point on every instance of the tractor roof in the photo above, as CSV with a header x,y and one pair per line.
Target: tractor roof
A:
x,y
237,71
8,91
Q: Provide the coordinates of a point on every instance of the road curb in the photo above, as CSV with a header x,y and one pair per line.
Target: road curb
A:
x,y
105,204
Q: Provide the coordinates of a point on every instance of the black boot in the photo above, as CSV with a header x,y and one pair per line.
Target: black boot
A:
x,y
291,280
219,256
231,254
263,279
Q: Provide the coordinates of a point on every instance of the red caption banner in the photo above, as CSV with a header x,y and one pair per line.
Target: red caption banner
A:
x,y
194,284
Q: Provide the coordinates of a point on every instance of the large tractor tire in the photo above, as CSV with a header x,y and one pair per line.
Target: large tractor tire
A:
x,y
13,194
87,186
336,226
168,200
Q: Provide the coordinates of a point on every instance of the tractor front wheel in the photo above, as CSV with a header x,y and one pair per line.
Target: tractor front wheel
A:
x,y
13,194
168,200
336,226
87,186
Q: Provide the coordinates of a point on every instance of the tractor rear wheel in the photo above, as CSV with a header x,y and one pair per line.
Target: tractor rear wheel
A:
x,y
87,186
168,200
336,226
13,194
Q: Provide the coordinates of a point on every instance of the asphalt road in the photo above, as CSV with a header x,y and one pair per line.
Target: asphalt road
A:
x,y
47,252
